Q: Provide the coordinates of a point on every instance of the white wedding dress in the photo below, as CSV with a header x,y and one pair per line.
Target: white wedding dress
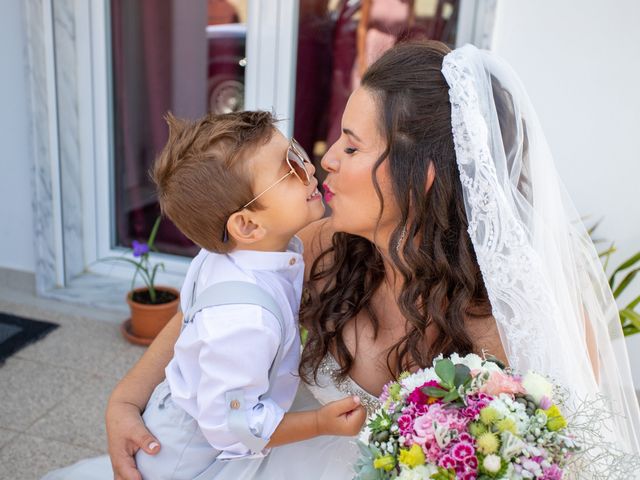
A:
x,y
320,458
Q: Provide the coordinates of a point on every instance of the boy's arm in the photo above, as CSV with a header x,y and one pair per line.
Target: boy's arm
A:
x,y
343,417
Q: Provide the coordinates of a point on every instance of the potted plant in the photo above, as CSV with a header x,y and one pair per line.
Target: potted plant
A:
x,y
151,306
620,280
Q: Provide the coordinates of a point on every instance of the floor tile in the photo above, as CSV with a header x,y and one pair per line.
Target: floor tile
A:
x,y
79,419
85,345
6,436
29,457
30,389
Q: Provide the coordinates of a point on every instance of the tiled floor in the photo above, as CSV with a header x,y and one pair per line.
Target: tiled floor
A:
x,y
53,393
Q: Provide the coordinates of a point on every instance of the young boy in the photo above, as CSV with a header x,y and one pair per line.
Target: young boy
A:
x,y
240,190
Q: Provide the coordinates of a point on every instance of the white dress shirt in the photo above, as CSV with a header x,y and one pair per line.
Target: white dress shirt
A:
x,y
232,346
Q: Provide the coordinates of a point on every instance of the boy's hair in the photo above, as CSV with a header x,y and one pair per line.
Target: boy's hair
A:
x,y
200,174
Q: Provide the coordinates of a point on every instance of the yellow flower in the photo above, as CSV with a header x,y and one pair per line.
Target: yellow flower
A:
x,y
386,463
476,429
555,420
488,443
412,457
506,425
489,415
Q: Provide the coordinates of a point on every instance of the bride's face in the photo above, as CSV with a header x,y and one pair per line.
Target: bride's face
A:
x,y
349,186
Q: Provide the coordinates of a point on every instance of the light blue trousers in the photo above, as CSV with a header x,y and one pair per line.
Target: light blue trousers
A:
x,y
185,453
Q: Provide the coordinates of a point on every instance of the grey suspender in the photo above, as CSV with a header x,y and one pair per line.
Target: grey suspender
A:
x,y
238,293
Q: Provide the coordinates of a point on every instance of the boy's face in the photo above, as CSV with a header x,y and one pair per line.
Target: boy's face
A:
x,y
289,205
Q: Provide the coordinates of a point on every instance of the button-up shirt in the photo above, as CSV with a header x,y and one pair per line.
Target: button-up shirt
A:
x,y
231,347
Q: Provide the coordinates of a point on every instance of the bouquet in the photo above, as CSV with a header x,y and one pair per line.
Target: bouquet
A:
x,y
467,418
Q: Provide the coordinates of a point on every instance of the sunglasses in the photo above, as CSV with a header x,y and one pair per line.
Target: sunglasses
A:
x,y
296,159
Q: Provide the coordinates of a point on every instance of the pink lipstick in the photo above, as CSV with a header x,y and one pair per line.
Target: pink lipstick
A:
x,y
328,194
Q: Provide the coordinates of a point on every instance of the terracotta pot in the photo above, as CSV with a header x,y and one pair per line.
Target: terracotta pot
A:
x,y
147,320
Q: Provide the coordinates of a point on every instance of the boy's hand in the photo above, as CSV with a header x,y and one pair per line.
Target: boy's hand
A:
x,y
342,417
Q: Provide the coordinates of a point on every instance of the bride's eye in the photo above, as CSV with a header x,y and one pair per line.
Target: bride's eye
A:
x,y
350,150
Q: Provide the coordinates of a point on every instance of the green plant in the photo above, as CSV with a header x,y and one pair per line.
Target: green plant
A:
x,y
143,265
628,270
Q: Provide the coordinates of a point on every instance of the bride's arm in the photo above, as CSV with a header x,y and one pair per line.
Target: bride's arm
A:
x,y
126,433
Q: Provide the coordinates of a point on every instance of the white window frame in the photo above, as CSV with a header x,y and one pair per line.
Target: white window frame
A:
x,y
271,37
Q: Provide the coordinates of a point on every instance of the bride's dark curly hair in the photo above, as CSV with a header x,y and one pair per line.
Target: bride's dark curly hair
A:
x,y
442,281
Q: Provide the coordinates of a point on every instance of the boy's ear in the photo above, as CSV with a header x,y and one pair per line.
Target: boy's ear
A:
x,y
243,229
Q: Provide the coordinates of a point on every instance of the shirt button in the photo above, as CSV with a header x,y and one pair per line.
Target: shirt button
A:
x,y
292,261
235,404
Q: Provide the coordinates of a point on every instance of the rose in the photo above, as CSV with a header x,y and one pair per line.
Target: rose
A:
x,y
537,386
500,383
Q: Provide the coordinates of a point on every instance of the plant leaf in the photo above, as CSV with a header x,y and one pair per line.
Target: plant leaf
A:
x,y
623,266
463,373
446,371
633,303
632,317
154,232
434,392
625,282
451,396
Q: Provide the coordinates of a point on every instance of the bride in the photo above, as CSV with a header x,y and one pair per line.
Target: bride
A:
x,y
450,232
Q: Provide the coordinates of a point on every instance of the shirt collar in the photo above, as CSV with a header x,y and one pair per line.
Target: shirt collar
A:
x,y
290,259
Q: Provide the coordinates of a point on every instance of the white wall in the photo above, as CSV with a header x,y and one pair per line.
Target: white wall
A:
x,y
580,62
16,216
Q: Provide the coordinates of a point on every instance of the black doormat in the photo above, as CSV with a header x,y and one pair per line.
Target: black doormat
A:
x,y
18,332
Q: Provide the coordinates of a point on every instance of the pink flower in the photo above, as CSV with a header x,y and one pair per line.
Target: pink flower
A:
x,y
471,462
462,450
475,403
545,402
447,461
552,473
500,383
405,424
418,397
468,476
465,437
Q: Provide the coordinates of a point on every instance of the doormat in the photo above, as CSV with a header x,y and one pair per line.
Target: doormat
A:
x,y
18,332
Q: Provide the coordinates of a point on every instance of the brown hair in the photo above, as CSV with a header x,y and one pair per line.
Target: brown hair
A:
x,y
200,174
442,281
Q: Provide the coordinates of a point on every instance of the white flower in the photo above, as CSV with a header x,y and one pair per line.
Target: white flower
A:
x,y
537,386
473,361
491,463
417,473
417,379
364,435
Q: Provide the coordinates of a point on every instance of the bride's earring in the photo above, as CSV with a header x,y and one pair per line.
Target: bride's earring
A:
x,y
403,235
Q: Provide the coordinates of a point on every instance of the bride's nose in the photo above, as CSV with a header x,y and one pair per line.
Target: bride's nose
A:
x,y
329,160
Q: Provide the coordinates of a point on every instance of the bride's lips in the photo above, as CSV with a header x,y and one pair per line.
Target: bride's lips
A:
x,y
328,194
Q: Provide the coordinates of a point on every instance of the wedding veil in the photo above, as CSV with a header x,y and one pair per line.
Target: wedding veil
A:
x,y
549,295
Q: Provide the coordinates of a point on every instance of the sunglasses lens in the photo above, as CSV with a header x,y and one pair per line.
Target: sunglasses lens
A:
x,y
297,158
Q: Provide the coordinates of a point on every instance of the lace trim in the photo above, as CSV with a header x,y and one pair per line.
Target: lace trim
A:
x,y
510,268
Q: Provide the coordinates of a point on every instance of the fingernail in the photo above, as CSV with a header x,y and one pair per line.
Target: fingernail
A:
x,y
153,445
356,399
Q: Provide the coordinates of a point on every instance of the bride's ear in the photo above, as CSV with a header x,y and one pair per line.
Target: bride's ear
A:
x,y
244,229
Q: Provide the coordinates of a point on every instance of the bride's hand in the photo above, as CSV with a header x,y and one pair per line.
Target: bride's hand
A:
x,y
126,434
342,417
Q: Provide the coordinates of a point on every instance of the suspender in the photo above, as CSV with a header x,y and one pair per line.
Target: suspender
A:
x,y
234,293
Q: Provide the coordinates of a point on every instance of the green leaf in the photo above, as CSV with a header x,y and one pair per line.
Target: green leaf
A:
x,y
632,317
451,396
154,232
625,282
623,266
463,373
434,392
446,371
633,303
